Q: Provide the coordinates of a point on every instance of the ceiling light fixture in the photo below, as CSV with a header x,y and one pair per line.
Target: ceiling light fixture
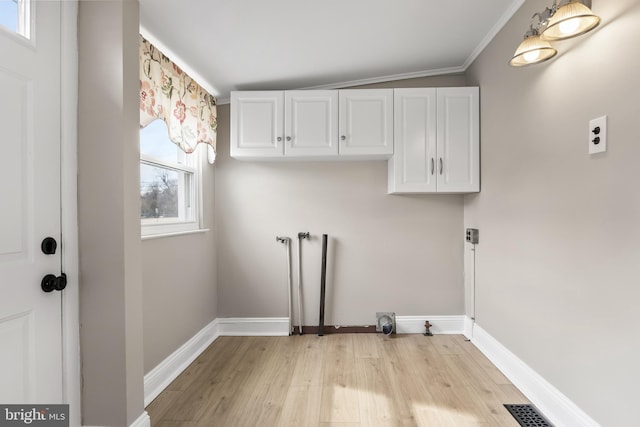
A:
x,y
565,19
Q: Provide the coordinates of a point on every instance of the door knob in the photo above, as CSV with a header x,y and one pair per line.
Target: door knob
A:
x,y
49,246
52,283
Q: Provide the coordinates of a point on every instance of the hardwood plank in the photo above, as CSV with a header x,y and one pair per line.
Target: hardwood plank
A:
x,y
163,403
405,387
510,394
366,345
340,424
176,424
490,369
492,408
273,382
222,349
203,387
309,366
338,379
209,389
302,406
374,387
447,344
340,402
232,403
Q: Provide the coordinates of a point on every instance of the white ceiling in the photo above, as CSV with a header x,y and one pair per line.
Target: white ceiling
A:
x,y
289,44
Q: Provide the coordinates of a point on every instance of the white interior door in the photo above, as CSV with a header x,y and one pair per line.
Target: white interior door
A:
x,y
30,319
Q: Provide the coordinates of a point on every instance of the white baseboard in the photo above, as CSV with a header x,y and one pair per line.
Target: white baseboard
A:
x,y
439,324
279,326
253,326
142,421
558,408
163,374
468,327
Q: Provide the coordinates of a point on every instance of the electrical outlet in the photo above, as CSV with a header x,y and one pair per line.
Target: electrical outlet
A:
x,y
472,235
598,135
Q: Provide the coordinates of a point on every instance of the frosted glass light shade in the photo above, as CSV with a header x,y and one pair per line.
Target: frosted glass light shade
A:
x,y
570,20
532,50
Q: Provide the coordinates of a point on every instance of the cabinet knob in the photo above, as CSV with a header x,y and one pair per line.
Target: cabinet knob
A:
x,y
279,138
288,138
343,137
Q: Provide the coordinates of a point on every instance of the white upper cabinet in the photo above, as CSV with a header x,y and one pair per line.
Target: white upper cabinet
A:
x,y
305,124
311,123
412,168
437,141
458,139
257,124
366,123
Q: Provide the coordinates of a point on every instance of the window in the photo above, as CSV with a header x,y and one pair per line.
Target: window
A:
x,y
14,16
169,184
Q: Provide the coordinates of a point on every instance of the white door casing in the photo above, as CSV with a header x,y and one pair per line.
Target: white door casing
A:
x,y
30,119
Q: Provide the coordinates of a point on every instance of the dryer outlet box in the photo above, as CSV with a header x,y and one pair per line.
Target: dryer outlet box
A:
x,y
383,318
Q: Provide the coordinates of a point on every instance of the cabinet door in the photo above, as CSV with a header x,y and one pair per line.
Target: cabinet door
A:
x,y
311,123
366,123
458,162
413,166
257,124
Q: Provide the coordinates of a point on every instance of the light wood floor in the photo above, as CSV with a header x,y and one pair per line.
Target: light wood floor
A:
x,y
338,380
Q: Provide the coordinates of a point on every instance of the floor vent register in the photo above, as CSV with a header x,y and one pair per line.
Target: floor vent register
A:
x,y
528,416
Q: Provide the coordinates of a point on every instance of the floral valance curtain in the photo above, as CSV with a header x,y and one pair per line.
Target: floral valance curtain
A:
x,y
167,93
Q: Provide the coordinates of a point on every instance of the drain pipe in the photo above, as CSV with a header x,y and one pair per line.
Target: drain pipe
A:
x,y
301,237
287,241
323,284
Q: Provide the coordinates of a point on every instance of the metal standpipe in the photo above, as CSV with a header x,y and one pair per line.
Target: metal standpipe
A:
x,y
301,237
323,284
287,241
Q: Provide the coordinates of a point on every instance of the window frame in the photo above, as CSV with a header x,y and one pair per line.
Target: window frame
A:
x,y
25,15
193,165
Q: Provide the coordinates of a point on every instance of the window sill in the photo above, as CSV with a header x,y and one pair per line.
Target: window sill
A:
x,y
177,233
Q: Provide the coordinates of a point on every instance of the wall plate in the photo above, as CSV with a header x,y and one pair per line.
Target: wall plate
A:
x,y
598,135
472,235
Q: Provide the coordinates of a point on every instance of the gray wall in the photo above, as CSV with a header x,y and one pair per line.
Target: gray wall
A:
x,y
557,264
179,283
108,206
386,253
